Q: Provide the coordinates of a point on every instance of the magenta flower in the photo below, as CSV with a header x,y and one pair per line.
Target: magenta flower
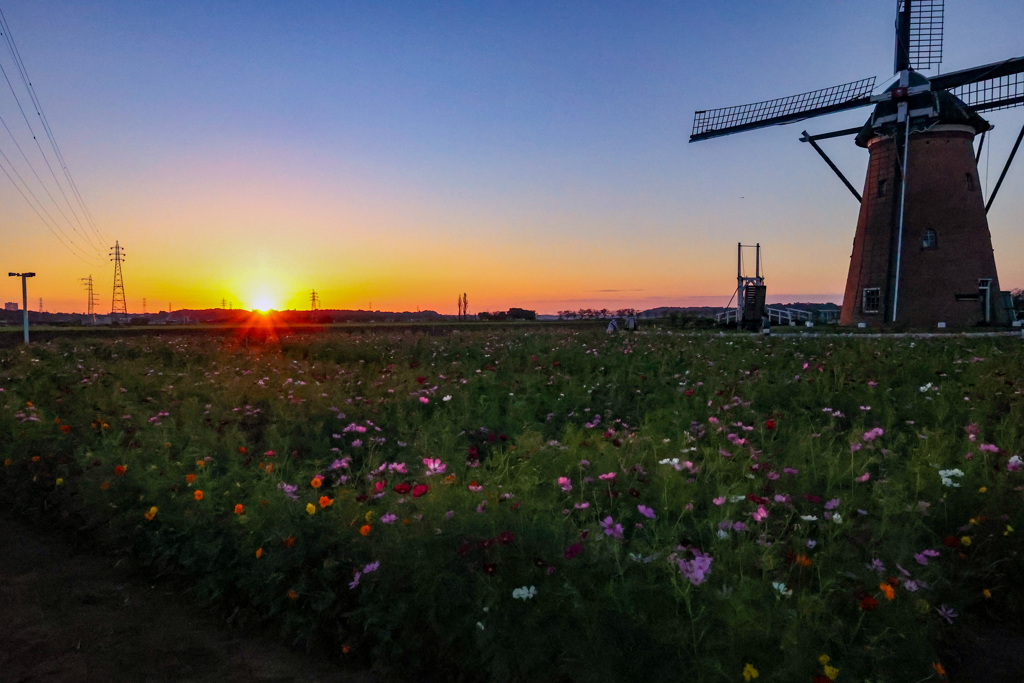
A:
x,y
565,483
573,550
434,466
646,512
760,514
611,528
873,434
832,504
697,569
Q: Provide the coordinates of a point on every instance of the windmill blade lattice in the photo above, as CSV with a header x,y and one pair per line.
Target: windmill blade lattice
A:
x,y
925,32
715,122
993,93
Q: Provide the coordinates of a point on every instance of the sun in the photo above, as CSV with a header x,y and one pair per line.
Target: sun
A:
x,y
264,303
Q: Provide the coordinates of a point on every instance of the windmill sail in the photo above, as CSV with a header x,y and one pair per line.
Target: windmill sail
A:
x,y
924,33
727,120
984,88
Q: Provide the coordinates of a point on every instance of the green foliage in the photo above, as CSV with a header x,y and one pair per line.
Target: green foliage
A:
x,y
806,469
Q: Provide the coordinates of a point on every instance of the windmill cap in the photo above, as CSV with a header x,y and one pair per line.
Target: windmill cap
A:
x,y
942,106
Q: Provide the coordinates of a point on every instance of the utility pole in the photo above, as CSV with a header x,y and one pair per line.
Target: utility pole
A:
x,y
91,308
24,298
117,304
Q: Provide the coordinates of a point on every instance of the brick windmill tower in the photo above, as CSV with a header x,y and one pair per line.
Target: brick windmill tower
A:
x,y
922,253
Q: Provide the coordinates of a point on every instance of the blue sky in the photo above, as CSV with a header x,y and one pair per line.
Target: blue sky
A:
x,y
529,153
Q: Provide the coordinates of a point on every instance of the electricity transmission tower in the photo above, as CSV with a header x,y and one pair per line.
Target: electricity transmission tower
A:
x,y
314,300
118,304
40,304
91,309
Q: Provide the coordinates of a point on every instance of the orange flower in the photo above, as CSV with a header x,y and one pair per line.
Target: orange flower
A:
x,y
105,485
939,669
189,478
151,513
890,593
198,494
259,553
289,542
241,449
803,560
317,480
325,501
65,428
119,470
270,467
365,529
239,509
292,595
345,649
35,458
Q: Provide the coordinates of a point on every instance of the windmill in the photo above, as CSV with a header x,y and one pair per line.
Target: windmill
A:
x,y
922,253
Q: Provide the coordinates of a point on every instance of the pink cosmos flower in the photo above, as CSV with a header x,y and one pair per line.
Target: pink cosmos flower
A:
x,y
864,477
760,514
424,400
565,483
608,476
646,512
434,466
719,500
611,528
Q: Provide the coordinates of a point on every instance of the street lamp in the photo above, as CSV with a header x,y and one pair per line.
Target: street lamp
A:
x,y
24,298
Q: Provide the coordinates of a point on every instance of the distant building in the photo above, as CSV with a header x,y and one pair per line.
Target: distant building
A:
x,y
10,306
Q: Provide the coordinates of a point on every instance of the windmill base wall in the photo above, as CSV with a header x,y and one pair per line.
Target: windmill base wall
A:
x,y
946,246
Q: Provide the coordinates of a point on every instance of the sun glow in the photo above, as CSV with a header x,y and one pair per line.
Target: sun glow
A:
x,y
263,303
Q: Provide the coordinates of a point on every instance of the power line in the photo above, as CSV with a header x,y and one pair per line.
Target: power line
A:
x,y
83,234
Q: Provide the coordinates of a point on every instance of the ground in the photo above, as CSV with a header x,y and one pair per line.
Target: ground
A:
x,y
68,614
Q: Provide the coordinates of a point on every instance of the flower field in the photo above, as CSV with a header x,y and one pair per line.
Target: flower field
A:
x,y
550,504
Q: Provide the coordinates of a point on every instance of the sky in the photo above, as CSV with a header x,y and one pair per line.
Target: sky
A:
x,y
393,155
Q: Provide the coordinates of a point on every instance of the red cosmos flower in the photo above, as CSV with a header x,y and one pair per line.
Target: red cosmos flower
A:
x,y
472,453
769,424
573,550
379,486
463,549
120,470
421,380
757,499
506,537
951,542
868,603
419,489
402,488
688,392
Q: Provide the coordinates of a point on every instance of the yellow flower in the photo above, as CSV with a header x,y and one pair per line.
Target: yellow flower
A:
x,y
749,672
983,489
368,516
831,672
8,462
987,593
972,521
151,513
965,540
824,659
1009,530
310,508
60,481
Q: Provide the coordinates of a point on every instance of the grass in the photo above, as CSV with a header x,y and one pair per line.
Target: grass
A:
x,y
549,504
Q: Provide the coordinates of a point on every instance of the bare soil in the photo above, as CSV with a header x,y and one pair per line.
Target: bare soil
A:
x,y
69,614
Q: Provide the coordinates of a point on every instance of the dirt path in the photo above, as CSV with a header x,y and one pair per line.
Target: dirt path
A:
x,y
73,616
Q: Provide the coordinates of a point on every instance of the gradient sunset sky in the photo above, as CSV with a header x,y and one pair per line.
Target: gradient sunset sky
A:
x,y
399,153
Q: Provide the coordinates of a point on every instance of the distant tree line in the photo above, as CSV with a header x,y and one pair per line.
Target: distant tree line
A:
x,y
595,313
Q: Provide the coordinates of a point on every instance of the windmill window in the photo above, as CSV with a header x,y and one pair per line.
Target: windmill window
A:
x,y
969,179
929,239
881,188
871,299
